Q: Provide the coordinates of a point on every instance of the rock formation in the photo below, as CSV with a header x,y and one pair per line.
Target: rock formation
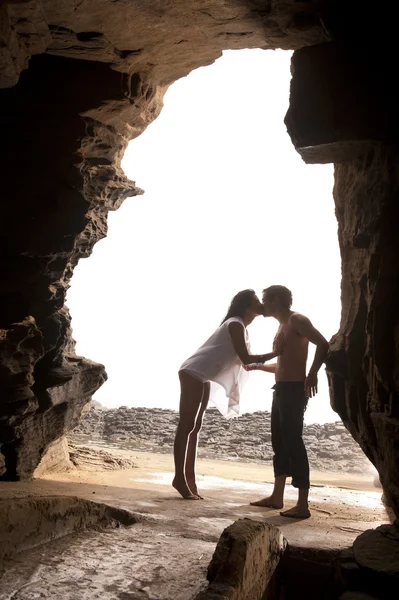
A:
x,y
330,446
80,79
89,459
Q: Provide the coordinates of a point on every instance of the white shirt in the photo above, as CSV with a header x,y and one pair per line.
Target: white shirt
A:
x,y
217,361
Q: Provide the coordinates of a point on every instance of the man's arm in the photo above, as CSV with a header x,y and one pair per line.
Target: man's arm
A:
x,y
236,331
305,328
259,367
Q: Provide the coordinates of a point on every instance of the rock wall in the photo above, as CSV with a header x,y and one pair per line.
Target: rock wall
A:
x,y
330,446
364,356
56,210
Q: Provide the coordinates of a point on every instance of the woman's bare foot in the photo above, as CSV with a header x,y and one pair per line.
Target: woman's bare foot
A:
x,y
269,502
184,490
297,512
193,487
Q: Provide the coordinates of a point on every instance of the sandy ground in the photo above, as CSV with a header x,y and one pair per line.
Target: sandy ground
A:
x,y
241,471
166,556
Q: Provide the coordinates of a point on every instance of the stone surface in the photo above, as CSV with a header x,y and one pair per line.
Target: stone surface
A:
x,y
23,33
169,39
29,522
307,573
342,101
244,561
123,563
377,550
166,556
330,446
363,367
55,460
89,459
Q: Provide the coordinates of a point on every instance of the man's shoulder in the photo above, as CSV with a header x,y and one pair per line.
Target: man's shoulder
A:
x,y
298,318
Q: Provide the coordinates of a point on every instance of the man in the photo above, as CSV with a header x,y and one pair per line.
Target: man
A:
x,y
291,392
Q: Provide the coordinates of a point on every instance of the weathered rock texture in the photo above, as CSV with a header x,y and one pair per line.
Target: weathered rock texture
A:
x,y
29,522
87,77
330,446
343,101
168,39
370,568
56,459
364,365
244,561
253,560
90,459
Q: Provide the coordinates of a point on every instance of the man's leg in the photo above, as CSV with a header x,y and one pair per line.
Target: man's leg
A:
x,y
280,461
191,455
192,391
293,409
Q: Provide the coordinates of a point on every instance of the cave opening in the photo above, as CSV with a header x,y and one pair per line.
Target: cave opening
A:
x,y
174,257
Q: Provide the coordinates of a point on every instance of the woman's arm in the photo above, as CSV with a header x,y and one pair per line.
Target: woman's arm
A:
x,y
236,331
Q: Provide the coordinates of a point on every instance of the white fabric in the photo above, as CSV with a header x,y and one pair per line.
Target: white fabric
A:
x,y
217,361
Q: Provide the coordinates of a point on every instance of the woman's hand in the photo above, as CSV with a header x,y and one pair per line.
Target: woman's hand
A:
x,y
251,367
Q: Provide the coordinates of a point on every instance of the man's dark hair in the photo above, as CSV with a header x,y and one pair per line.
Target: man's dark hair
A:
x,y
280,292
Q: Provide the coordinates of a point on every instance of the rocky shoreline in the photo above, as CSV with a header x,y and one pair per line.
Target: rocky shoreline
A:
x,y
248,438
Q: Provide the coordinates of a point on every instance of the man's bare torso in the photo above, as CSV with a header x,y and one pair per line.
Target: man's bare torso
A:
x,y
291,364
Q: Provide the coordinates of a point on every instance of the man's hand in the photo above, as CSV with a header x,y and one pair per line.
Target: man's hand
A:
x,y
311,384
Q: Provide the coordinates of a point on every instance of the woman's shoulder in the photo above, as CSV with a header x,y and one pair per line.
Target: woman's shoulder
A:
x,y
234,320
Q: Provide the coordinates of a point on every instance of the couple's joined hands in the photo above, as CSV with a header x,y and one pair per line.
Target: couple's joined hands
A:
x,y
278,348
251,367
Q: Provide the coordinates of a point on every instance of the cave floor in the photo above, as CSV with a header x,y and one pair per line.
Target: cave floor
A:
x,y
165,556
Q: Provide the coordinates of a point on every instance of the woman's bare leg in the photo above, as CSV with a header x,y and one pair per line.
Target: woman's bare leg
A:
x,y
193,442
192,391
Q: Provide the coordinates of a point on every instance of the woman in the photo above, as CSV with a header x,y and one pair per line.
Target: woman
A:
x,y
220,361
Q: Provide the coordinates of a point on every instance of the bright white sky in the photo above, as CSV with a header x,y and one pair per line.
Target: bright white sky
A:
x,y
229,204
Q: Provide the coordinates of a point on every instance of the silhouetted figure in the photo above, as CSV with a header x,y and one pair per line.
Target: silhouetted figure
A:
x,y
291,392
219,361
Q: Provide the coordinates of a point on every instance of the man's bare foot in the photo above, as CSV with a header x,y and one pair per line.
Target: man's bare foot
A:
x,y
297,512
184,490
269,502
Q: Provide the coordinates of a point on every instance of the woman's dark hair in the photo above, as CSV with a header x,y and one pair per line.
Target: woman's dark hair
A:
x,y
240,303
